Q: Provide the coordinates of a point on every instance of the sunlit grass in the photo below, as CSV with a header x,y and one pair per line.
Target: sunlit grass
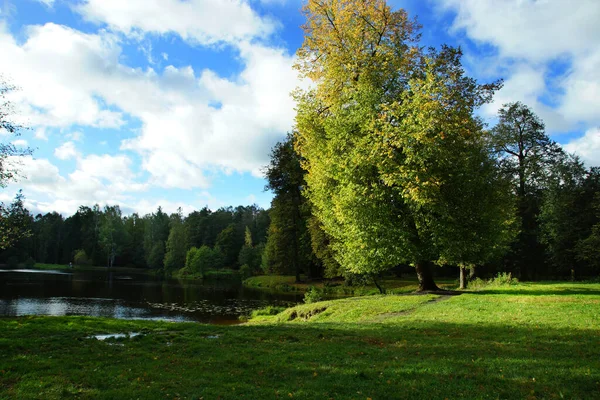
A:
x,y
529,341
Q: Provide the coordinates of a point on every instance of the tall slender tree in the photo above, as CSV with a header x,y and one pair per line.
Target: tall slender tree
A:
x,y
527,156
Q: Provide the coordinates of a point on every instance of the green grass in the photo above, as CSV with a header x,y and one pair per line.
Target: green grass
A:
x,y
526,341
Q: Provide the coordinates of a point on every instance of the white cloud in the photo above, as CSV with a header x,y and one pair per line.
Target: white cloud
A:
x,y
529,35
587,147
183,133
48,3
20,143
210,201
57,69
204,22
537,30
145,206
66,151
41,134
98,179
76,136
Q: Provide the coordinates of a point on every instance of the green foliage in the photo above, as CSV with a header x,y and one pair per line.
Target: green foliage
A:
x,y
323,250
156,256
500,280
199,261
251,257
567,218
229,241
156,234
81,258
112,233
527,156
15,219
312,295
267,311
175,257
287,250
393,153
29,263
245,271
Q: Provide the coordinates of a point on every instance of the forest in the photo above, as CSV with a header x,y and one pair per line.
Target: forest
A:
x,y
388,167
547,208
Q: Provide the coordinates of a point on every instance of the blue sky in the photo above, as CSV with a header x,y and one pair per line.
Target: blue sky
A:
x,y
177,103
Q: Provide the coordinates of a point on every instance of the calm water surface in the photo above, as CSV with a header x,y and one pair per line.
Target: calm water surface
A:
x,y
129,295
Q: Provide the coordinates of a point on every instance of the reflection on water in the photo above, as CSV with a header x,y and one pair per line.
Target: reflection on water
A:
x,y
129,295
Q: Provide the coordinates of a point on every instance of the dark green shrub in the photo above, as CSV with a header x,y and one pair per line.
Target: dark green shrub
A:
x,y
313,295
245,271
81,258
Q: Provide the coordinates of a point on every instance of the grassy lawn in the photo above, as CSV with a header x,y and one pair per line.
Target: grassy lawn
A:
x,y
528,341
288,284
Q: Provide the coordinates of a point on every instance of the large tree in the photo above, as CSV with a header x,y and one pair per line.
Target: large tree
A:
x,y
527,156
288,248
388,136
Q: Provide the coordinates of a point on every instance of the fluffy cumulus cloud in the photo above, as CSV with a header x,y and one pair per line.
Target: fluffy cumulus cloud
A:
x,y
532,34
587,147
193,122
66,151
101,179
203,22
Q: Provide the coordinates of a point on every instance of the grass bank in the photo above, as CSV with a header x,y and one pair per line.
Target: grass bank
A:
x,y
526,341
51,267
289,284
224,274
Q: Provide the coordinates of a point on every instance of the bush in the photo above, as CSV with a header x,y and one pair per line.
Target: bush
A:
x,y
502,279
312,295
81,258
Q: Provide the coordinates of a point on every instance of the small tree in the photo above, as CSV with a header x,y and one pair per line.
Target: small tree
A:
x,y
81,258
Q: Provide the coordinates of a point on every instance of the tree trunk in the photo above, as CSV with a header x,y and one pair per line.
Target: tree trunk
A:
x,y
378,286
426,282
473,273
463,278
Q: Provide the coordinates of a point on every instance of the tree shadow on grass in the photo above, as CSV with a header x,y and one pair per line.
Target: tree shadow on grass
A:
x,y
540,292
410,360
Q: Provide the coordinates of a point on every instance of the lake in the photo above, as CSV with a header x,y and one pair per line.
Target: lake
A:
x,y
130,294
